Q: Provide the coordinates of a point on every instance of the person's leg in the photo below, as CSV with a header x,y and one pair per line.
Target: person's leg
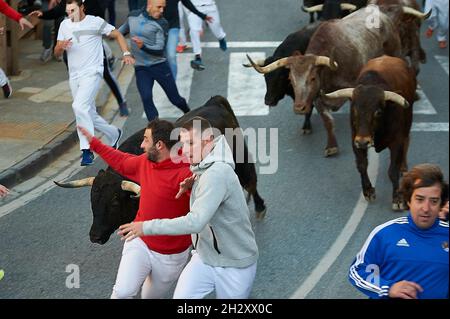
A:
x,y
171,50
196,280
165,272
3,77
215,26
112,12
4,83
134,267
164,77
182,33
431,22
234,283
144,83
195,27
82,93
110,79
46,54
442,17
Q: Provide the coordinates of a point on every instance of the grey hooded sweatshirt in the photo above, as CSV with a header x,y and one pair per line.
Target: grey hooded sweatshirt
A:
x,y
219,217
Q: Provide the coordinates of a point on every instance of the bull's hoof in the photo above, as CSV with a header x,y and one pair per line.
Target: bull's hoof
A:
x,y
306,131
370,196
260,215
331,151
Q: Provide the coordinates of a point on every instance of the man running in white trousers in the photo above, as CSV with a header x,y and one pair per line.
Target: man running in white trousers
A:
x,y
81,36
225,252
209,8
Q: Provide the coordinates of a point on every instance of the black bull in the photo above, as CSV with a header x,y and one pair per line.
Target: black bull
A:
x,y
112,206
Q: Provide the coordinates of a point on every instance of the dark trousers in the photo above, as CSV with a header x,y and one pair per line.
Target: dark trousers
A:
x,y
110,7
145,78
136,4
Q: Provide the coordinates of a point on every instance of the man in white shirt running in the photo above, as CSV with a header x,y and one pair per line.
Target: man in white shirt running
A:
x,y
81,36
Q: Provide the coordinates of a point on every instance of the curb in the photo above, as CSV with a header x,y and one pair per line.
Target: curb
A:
x,y
41,158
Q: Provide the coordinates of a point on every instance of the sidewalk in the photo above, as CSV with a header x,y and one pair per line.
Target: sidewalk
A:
x,y
37,123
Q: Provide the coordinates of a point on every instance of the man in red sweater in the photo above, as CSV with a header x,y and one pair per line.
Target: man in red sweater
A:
x,y
153,262
16,16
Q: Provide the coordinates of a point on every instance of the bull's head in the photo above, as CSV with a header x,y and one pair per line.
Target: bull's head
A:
x,y
368,103
330,9
277,82
113,203
304,74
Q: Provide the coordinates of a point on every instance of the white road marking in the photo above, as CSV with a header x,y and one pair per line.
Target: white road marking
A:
x,y
51,93
241,44
341,241
443,61
429,127
246,88
30,90
184,81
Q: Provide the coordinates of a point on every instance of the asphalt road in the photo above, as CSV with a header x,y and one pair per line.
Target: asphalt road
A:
x,y
310,198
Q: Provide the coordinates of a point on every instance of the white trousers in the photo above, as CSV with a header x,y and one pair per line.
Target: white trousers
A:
x,y
3,78
195,25
438,21
182,12
84,90
198,280
141,267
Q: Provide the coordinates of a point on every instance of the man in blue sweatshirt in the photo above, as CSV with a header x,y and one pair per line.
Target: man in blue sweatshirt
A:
x,y
148,31
408,257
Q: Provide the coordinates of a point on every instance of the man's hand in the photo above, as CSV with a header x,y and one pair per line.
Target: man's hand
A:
x,y
2,30
209,19
3,191
405,290
186,185
37,13
65,44
86,133
131,231
139,42
25,23
128,60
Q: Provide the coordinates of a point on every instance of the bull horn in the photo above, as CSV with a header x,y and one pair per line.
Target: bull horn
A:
x,y
324,60
271,67
396,98
342,93
348,6
312,9
416,13
258,62
76,184
131,187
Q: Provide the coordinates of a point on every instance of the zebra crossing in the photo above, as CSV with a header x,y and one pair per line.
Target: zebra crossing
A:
x,y
246,88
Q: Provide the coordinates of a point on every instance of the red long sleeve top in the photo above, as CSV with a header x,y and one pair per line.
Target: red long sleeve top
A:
x,y
160,183
9,12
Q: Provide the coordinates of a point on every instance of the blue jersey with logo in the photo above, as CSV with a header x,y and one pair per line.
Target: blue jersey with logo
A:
x,y
399,250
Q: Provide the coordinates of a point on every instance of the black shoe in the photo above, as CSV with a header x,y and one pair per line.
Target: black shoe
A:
x,y
123,109
7,90
197,64
116,144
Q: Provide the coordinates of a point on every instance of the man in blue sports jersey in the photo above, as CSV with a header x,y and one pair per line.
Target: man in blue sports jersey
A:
x,y
408,257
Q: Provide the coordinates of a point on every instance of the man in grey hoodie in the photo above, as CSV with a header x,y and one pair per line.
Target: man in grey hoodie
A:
x,y
225,252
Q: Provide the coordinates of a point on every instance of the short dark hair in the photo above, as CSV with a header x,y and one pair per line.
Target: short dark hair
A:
x,y
161,130
204,124
423,175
